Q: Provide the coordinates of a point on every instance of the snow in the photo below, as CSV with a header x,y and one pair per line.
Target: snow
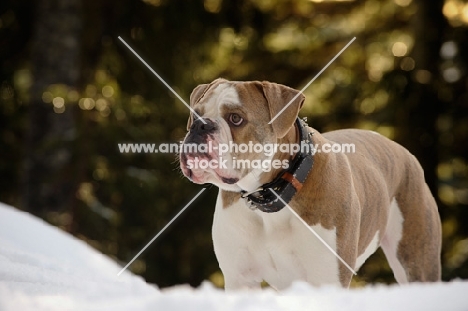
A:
x,y
43,268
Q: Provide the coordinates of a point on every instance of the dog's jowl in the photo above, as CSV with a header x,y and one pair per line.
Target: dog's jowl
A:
x,y
356,189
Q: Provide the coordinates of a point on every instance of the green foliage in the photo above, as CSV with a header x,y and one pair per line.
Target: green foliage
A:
x,y
123,200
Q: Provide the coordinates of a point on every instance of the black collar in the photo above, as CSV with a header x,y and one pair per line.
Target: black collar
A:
x,y
289,181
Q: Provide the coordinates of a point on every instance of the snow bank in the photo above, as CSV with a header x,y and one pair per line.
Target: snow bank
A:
x,y
43,268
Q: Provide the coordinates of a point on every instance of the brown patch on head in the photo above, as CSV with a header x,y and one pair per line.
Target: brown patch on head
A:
x,y
255,107
266,99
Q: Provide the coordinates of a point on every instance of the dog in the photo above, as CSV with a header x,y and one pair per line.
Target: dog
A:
x,y
355,202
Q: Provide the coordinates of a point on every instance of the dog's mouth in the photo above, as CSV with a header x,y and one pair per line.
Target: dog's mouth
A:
x,y
201,160
189,169
229,181
201,168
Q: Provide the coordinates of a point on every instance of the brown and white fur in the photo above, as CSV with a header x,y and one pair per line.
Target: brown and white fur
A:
x,y
357,202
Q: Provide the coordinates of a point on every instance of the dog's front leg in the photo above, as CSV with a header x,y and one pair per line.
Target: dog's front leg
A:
x,y
237,245
238,264
231,285
240,271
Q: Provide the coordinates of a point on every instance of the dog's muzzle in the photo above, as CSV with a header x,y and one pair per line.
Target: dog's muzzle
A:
x,y
199,131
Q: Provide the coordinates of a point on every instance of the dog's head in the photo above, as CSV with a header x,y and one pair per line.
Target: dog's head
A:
x,y
236,116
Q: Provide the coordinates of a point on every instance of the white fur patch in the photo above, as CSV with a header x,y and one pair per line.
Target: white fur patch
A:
x,y
391,239
252,246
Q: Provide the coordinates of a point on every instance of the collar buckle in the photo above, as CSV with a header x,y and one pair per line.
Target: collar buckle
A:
x,y
288,182
245,194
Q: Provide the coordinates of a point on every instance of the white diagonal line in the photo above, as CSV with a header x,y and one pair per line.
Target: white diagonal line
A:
x,y
315,233
310,82
162,230
161,79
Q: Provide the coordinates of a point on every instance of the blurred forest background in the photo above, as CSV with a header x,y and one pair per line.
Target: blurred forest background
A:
x,y
70,91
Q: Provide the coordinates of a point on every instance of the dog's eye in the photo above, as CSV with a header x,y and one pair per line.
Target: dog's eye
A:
x,y
235,119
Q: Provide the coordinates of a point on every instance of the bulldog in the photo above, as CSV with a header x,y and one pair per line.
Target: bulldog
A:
x,y
355,201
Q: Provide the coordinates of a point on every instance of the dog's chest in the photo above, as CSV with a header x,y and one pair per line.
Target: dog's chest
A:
x,y
276,247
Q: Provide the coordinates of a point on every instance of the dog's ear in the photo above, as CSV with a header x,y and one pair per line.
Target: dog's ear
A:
x,y
278,96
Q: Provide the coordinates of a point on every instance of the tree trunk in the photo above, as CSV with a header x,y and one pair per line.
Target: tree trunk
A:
x,y
49,182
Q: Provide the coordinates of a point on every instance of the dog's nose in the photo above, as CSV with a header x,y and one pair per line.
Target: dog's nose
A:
x,y
199,127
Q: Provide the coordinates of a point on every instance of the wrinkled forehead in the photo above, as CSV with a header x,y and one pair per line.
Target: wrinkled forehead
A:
x,y
224,93
232,94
